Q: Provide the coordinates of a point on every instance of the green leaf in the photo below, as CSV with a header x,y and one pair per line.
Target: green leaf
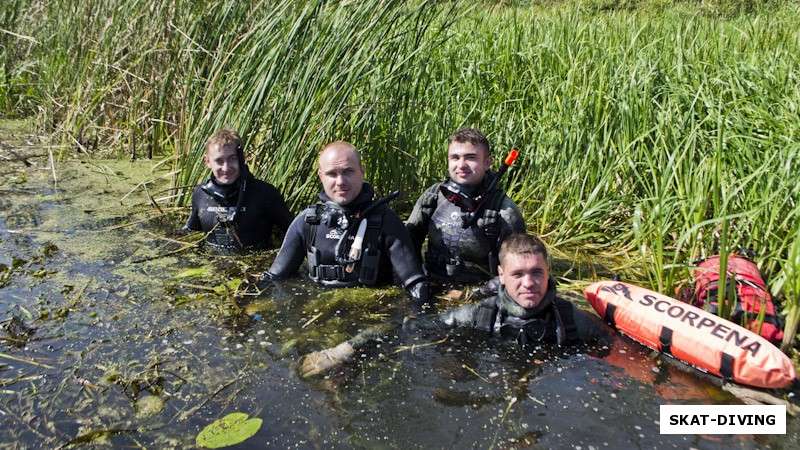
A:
x,y
230,430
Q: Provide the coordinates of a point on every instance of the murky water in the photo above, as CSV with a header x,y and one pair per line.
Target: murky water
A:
x,y
139,342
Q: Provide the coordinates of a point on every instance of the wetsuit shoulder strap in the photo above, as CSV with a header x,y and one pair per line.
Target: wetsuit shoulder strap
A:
x,y
313,218
430,200
313,214
374,227
490,227
486,315
371,256
565,317
375,218
490,223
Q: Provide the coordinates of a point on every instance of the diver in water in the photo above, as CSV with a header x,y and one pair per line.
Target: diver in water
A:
x,y
349,238
527,307
526,310
465,217
235,210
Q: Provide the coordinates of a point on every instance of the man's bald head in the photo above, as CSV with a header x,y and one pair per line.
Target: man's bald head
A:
x,y
339,149
340,172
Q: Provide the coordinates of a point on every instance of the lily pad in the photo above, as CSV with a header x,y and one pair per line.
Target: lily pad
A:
x,y
229,430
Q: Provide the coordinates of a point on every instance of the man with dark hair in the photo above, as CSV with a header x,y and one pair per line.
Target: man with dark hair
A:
x,y
463,248
236,210
526,309
348,238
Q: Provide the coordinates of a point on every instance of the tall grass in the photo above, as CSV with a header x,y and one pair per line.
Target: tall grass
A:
x,y
656,137
790,283
16,91
655,132
305,74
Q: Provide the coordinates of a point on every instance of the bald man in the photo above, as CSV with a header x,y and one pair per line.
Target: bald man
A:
x,y
346,214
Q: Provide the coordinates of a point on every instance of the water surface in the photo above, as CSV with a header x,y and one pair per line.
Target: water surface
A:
x,y
123,316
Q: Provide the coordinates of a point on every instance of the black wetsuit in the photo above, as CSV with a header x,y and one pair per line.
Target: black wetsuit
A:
x,y
261,208
316,234
553,321
458,254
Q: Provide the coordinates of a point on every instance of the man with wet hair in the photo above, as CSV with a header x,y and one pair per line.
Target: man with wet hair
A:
x,y
526,309
236,210
349,238
463,248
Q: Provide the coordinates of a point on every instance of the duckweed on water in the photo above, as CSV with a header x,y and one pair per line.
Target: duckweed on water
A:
x,y
124,340
357,300
333,316
148,406
195,272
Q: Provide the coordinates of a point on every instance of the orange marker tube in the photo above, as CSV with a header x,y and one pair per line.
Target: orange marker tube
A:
x,y
512,156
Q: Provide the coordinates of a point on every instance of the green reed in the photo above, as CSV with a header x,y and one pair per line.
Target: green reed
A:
x,y
791,288
652,132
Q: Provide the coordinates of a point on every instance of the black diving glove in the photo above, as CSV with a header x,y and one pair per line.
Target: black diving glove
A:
x,y
421,294
264,281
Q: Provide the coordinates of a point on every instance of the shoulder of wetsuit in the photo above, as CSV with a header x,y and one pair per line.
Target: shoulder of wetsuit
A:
x,y
199,193
197,189
254,184
430,197
267,193
313,214
298,221
590,328
567,312
424,207
485,314
488,289
261,185
511,215
387,215
490,219
498,197
433,189
293,249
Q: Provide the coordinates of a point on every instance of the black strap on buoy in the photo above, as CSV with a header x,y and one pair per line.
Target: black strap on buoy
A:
x,y
726,366
609,315
666,340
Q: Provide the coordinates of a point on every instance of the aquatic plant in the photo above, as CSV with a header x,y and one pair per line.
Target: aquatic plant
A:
x,y
652,139
230,430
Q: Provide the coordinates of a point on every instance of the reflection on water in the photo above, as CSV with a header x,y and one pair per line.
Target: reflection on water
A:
x,y
135,344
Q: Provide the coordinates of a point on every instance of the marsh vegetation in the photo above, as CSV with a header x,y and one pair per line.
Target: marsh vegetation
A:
x,y
652,132
658,131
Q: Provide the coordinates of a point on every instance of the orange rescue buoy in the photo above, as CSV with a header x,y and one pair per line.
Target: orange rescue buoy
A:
x,y
690,334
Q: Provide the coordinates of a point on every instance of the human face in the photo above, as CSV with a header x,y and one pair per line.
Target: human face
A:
x,y
524,277
467,163
223,162
341,174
